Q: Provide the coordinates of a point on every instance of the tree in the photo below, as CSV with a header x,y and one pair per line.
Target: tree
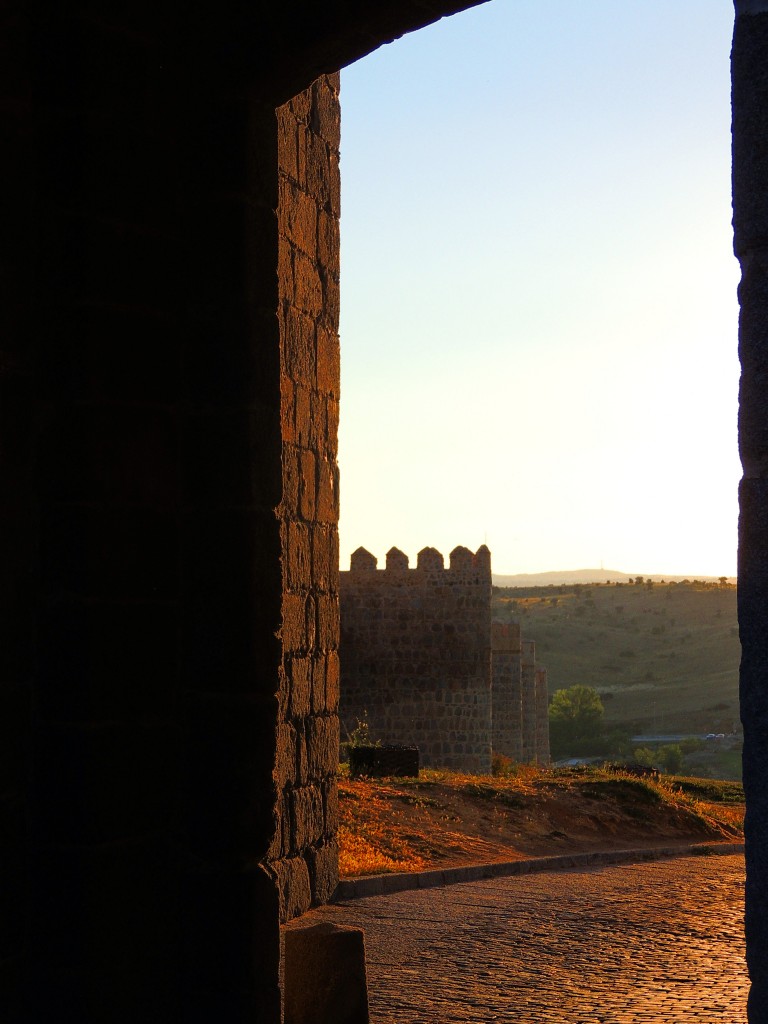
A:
x,y
645,756
575,719
671,757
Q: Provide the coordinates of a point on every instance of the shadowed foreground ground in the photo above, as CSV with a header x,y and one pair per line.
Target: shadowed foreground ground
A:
x,y
657,943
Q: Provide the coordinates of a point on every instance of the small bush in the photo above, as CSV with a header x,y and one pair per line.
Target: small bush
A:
x,y
360,736
503,767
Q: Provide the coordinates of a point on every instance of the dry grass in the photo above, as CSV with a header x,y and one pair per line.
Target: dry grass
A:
x,y
445,818
371,839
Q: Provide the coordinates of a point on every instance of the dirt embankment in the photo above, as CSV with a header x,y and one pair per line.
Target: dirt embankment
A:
x,y
441,821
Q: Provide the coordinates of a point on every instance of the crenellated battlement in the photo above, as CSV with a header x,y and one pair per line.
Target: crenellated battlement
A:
x,y
461,561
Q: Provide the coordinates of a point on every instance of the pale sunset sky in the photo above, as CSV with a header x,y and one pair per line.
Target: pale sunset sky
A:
x,y
538,304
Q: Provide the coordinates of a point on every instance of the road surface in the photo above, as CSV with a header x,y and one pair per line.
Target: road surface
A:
x,y
657,943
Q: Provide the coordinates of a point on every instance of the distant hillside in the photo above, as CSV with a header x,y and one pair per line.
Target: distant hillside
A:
x,y
548,579
665,658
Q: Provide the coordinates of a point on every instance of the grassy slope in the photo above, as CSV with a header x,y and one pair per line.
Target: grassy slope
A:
x,y
663,659
445,818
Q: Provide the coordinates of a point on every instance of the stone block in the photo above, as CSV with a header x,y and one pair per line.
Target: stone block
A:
x,y
300,684
327,492
324,117
330,790
389,759
328,241
332,419
307,485
299,347
323,864
318,685
285,270
323,746
328,626
302,758
292,878
331,296
328,361
308,287
298,217
334,184
285,754
287,410
306,817
325,557
332,680
291,475
297,557
293,631
301,106
325,978
287,141
322,173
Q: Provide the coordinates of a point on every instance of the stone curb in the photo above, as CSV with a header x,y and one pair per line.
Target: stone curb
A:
x,y
400,881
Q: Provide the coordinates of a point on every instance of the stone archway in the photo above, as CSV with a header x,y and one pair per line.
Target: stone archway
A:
x,y
163,631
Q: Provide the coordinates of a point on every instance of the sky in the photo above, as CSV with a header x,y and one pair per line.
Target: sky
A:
x,y
538,289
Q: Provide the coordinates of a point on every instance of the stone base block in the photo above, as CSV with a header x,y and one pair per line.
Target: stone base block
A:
x,y
325,980
389,759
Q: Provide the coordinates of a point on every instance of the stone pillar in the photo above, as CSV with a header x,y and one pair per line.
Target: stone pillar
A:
x,y
140,470
304,855
750,221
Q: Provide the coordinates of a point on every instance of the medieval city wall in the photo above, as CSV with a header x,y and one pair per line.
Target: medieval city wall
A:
x,y
423,664
416,653
520,700
542,717
507,738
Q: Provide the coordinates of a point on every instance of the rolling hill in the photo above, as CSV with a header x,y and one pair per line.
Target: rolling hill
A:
x,y
664,657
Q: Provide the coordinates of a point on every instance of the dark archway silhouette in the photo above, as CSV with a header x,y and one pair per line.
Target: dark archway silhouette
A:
x,y
167,655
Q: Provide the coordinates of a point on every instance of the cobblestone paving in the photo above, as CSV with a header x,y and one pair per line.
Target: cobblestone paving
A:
x,y
657,942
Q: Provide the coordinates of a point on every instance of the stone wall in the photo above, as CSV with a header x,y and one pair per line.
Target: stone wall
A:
x,y
507,736
416,653
520,699
542,755
528,689
425,665
303,855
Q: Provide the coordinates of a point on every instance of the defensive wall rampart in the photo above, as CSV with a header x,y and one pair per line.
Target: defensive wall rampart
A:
x,y
416,653
424,664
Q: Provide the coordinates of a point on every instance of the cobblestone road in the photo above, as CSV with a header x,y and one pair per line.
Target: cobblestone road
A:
x,y
656,942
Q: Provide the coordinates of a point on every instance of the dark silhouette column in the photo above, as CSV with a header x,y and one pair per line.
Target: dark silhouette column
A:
x,y
750,221
140,586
